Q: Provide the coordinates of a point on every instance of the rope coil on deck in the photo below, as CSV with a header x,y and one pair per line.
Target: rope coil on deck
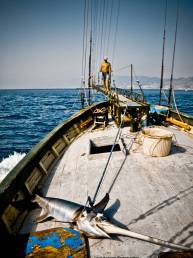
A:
x,y
156,133
100,111
156,142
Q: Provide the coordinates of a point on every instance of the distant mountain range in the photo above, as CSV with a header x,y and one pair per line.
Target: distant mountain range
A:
x,y
154,82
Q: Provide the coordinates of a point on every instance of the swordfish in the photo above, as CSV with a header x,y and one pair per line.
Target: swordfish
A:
x,y
91,221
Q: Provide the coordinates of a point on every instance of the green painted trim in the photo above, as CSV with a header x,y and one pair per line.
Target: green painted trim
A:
x,y
186,118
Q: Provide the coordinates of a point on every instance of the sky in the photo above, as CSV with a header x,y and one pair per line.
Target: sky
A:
x,y
41,41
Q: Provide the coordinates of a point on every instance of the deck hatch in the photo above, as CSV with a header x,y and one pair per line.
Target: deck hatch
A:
x,y
103,145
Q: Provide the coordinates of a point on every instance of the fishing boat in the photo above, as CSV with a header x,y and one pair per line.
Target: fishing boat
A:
x,y
111,148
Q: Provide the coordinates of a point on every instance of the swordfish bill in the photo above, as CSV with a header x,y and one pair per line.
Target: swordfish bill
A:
x,y
91,221
112,229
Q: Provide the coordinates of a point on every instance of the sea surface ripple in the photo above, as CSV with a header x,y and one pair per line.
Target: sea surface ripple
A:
x,y
26,116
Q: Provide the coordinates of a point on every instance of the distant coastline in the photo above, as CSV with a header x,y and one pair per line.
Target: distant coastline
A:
x,y
182,83
145,87
150,83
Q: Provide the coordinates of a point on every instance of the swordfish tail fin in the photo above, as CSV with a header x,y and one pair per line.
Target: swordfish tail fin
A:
x,y
41,201
35,198
112,229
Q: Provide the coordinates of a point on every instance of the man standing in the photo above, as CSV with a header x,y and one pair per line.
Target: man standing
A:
x,y
106,70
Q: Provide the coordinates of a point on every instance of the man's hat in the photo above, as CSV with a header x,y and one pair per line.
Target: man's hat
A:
x,y
105,58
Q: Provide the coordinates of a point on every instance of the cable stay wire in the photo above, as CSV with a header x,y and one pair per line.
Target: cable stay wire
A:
x,y
98,34
98,17
83,45
94,36
105,28
137,79
175,104
108,160
122,68
87,22
102,30
109,30
163,55
173,58
115,34
86,39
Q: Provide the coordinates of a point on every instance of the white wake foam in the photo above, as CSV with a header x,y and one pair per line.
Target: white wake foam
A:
x,y
7,164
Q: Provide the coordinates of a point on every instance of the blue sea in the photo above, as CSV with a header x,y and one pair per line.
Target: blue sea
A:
x,y
28,115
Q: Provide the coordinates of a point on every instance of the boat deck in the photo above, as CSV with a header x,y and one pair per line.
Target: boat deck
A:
x,y
123,101
149,195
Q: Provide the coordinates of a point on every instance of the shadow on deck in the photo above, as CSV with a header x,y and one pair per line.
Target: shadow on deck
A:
x,y
162,205
187,230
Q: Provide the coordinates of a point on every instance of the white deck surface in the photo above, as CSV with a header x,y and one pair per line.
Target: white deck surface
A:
x,y
152,196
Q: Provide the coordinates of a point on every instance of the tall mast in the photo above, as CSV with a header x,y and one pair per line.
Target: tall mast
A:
x,y
163,51
171,78
89,69
131,77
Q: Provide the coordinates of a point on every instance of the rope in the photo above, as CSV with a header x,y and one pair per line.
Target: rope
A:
x,y
95,28
129,146
105,29
83,45
108,160
174,50
164,94
98,33
122,68
109,31
115,35
174,99
163,55
103,16
86,39
99,110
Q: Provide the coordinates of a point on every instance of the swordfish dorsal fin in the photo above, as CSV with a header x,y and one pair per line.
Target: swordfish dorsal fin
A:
x,y
99,207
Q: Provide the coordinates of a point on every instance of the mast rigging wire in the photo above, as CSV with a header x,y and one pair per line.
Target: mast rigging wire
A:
x,y
109,31
175,104
163,55
88,24
102,31
83,45
105,29
171,78
101,43
122,68
105,169
86,38
115,35
98,33
94,30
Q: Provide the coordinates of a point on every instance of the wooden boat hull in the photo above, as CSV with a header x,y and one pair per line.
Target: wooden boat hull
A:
x,y
18,187
23,180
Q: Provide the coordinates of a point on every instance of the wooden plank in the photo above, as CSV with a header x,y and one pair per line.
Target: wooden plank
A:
x,y
59,145
33,180
48,159
42,168
9,217
54,151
